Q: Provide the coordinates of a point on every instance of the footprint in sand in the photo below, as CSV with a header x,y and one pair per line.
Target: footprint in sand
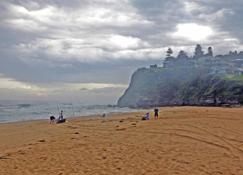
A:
x,y
3,157
72,127
21,152
42,140
121,129
43,158
121,121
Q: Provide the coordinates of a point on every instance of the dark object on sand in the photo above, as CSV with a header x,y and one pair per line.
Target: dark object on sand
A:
x,y
52,119
61,120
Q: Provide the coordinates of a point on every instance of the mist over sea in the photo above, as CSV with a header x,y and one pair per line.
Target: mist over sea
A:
x,y
12,111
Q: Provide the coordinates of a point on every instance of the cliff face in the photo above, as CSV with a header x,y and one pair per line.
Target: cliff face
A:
x,y
184,85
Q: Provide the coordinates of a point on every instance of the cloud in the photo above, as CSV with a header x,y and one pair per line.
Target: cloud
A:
x,y
193,32
56,91
61,17
17,87
90,31
192,7
95,41
85,49
8,83
63,33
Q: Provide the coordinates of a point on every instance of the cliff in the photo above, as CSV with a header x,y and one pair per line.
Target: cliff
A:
x,y
182,85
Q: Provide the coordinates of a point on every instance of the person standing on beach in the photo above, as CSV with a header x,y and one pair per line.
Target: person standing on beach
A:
x,y
156,113
61,115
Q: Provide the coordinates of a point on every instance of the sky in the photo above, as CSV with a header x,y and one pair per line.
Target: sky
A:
x,y
87,50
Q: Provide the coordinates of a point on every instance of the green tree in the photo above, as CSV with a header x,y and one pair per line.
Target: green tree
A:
x,y
182,55
198,51
169,52
210,51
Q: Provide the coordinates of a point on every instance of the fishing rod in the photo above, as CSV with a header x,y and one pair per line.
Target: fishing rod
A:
x,y
58,109
73,110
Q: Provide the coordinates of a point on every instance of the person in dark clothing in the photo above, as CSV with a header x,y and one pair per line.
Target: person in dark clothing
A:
x,y
52,119
156,113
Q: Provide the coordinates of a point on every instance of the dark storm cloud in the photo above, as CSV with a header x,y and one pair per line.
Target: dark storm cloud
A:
x,y
96,41
225,16
233,16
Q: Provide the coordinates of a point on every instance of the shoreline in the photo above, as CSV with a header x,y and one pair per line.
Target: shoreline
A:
x,y
12,113
91,116
121,113
73,117
117,113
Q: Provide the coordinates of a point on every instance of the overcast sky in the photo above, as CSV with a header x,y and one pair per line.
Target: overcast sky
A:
x,y
86,50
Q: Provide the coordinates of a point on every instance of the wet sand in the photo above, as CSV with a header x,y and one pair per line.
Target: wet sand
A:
x,y
184,140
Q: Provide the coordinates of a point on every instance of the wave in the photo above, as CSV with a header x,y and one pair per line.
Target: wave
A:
x,y
31,111
24,105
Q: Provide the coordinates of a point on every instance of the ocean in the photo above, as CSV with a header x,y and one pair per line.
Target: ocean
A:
x,y
15,111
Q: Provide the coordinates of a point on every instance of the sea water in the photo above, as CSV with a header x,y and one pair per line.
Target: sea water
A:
x,y
18,111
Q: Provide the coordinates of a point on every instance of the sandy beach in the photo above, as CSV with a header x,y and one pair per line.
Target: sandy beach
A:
x,y
184,140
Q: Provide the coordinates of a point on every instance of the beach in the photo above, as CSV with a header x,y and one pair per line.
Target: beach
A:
x,y
184,140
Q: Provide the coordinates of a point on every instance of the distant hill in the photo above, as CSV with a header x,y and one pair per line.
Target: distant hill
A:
x,y
199,80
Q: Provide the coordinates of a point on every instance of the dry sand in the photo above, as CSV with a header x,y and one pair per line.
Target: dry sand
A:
x,y
184,140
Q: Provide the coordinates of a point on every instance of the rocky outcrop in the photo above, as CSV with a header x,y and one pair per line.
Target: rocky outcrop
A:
x,y
184,85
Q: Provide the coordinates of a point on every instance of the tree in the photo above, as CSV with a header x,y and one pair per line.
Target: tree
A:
x,y
233,52
182,55
198,51
169,52
210,51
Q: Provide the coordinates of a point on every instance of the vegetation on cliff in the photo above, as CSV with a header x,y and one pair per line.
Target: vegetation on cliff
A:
x,y
198,80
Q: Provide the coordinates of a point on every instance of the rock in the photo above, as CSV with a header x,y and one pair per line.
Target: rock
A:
x,y
181,85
